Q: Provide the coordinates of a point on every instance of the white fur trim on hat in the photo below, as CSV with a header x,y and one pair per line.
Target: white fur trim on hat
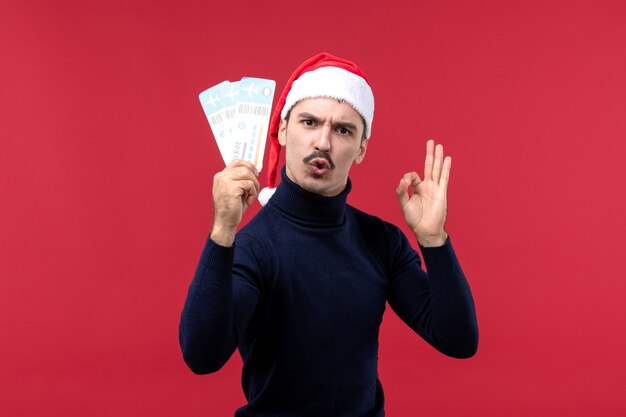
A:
x,y
334,82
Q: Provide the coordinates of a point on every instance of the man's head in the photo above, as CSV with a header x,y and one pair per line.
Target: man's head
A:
x,y
335,96
322,137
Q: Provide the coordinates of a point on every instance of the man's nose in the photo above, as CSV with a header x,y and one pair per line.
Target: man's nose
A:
x,y
323,140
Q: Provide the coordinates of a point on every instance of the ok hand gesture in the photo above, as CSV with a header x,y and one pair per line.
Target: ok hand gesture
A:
x,y
425,209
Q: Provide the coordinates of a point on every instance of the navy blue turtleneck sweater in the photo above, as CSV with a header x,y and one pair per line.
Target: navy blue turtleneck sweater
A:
x,y
302,294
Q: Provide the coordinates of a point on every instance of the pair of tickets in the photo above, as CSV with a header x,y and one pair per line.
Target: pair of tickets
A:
x,y
238,113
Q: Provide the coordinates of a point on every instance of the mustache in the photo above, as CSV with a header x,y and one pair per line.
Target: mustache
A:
x,y
319,154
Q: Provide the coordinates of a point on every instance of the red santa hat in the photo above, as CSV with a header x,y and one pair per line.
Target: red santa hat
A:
x,y
323,75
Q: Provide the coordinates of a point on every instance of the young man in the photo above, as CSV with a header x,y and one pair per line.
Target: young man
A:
x,y
301,289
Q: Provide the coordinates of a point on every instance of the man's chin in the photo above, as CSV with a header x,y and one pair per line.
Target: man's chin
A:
x,y
321,185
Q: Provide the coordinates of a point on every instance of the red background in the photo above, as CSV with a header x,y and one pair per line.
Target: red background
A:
x,y
107,160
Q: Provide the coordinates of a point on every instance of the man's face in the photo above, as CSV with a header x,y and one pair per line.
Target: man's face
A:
x,y
322,139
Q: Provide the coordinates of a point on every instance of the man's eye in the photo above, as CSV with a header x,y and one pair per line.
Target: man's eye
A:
x,y
308,122
343,131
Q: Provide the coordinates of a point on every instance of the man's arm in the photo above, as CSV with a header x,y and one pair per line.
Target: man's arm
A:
x,y
438,304
216,303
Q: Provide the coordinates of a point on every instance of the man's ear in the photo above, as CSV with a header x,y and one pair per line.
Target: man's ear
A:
x,y
361,153
282,132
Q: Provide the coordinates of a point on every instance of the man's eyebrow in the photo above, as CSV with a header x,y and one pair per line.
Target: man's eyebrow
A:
x,y
347,125
306,115
309,116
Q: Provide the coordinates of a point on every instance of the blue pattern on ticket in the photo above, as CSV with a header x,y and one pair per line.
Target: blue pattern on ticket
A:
x,y
238,113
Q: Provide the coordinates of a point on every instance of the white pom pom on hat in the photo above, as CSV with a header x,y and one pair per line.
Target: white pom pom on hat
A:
x,y
322,75
265,195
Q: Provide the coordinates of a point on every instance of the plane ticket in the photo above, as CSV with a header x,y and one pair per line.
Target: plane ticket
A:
x,y
238,113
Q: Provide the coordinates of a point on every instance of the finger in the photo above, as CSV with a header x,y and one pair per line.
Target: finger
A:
x,y
428,165
255,185
241,173
402,192
241,163
413,180
250,197
250,200
445,173
248,188
438,163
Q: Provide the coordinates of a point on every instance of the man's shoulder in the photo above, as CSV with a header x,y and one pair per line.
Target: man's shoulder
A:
x,y
367,218
384,239
261,229
373,224
259,220
253,240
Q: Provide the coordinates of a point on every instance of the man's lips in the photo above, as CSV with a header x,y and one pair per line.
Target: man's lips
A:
x,y
319,161
319,166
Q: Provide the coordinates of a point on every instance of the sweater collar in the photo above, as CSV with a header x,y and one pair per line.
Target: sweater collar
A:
x,y
307,207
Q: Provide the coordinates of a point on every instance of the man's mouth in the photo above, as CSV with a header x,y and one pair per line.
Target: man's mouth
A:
x,y
319,162
319,166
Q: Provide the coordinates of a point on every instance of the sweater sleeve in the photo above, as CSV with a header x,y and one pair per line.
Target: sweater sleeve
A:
x,y
220,302
437,304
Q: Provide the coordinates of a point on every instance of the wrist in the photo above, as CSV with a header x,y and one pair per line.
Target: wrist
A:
x,y
432,241
223,236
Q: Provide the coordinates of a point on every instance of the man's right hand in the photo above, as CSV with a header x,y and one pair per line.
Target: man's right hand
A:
x,y
234,189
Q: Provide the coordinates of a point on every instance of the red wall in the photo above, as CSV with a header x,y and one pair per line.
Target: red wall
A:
x,y
106,163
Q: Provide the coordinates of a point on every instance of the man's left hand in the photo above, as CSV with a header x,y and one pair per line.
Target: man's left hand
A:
x,y
425,210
